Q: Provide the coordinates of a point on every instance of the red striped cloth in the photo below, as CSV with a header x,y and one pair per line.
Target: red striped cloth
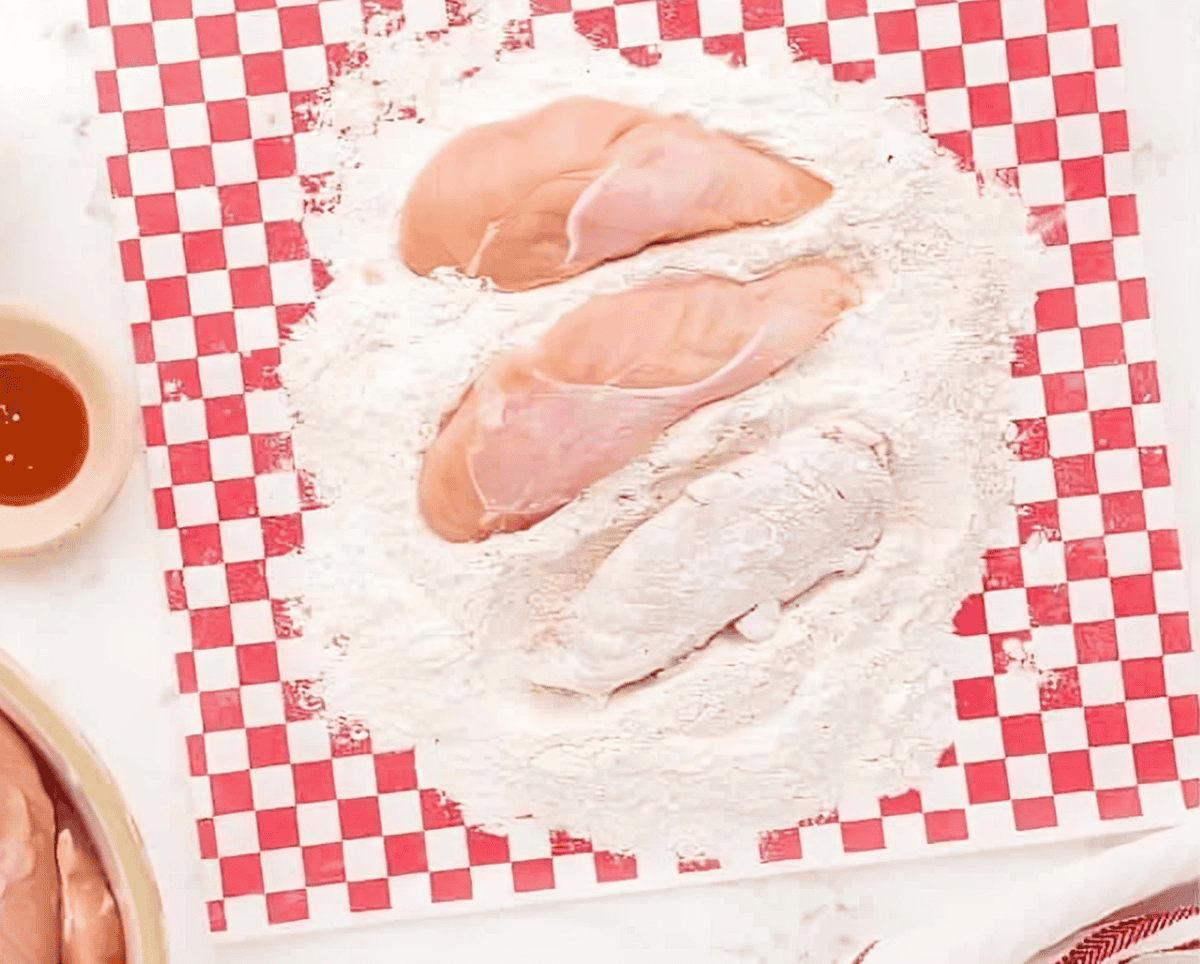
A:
x,y
1136,903
1102,944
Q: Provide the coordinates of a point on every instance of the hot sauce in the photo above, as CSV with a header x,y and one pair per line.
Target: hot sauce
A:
x,y
43,431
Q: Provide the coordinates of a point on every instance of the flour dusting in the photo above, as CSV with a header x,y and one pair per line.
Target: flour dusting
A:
x,y
419,638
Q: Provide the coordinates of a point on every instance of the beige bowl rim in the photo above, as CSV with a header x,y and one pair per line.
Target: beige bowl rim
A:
x,y
113,432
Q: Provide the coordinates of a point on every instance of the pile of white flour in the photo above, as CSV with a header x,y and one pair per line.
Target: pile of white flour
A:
x,y
416,636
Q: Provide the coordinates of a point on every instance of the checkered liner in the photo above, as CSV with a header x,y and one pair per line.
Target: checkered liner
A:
x,y
204,109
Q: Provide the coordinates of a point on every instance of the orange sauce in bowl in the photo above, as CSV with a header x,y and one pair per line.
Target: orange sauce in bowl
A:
x,y
43,431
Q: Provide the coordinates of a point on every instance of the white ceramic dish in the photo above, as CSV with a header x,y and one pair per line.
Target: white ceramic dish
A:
x,y
113,434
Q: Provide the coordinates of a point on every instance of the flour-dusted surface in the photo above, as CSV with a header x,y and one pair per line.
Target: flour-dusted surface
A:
x,y
741,542
421,639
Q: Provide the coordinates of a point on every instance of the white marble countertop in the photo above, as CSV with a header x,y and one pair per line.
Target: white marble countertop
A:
x,y
90,623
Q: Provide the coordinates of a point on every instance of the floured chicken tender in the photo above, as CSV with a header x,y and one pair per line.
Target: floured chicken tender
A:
x,y
736,546
91,923
548,195
540,425
28,884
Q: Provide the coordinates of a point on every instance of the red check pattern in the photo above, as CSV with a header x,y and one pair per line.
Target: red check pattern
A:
x,y
1077,683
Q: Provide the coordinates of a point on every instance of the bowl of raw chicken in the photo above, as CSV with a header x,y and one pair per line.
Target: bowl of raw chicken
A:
x,y
75,883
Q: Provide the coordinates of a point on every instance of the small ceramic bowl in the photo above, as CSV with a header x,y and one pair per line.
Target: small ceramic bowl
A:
x,y
96,802
113,435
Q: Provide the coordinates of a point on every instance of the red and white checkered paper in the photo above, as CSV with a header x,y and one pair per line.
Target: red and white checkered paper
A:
x,y
204,105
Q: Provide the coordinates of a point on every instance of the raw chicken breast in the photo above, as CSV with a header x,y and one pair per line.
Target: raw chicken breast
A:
x,y
91,923
540,425
550,194
28,888
739,541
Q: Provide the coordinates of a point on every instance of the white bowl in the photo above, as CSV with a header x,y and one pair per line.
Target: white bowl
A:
x,y
113,435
